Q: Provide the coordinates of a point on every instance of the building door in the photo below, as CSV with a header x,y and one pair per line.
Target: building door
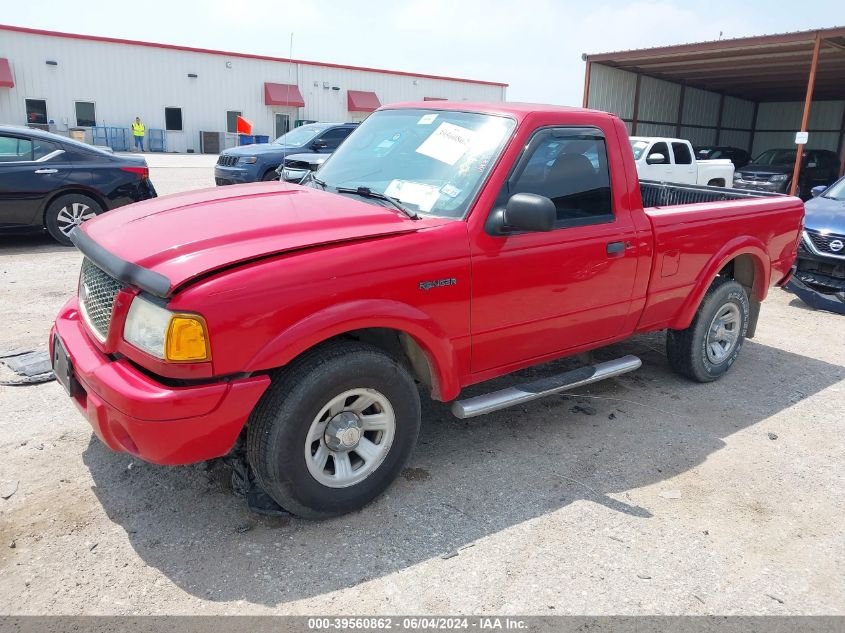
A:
x,y
282,124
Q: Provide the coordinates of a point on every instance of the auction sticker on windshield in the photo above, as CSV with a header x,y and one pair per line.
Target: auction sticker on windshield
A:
x,y
422,195
447,143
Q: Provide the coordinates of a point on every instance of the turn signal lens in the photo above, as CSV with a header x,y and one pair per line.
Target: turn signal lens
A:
x,y
186,339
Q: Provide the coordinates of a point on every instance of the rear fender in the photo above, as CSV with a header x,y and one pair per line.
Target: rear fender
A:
x,y
356,315
743,245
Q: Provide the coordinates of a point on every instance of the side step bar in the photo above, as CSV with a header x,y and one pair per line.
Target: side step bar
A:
x,y
526,392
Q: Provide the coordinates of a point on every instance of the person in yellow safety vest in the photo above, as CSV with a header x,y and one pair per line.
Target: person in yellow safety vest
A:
x,y
138,130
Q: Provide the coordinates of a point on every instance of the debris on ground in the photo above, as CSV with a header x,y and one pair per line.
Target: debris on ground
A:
x,y
775,598
243,529
583,408
773,436
8,487
19,368
416,474
245,487
13,545
643,576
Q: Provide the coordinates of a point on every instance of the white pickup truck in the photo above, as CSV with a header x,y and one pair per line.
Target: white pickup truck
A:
x,y
672,160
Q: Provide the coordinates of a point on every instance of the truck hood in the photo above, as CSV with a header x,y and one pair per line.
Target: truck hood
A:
x,y
765,170
261,149
825,215
183,236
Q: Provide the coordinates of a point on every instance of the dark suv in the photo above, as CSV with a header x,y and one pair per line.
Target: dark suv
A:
x,y
252,163
739,157
772,171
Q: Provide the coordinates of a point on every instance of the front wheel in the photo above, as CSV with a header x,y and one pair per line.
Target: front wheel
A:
x,y
334,429
709,346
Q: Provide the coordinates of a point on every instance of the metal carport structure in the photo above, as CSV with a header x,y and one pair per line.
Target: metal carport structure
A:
x,y
745,91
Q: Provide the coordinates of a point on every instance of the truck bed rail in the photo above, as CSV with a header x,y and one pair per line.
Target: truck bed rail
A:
x,y
667,194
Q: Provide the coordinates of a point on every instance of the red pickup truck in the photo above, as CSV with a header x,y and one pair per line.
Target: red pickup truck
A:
x,y
438,247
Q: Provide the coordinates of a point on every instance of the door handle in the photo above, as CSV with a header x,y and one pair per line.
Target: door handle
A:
x,y
46,171
615,249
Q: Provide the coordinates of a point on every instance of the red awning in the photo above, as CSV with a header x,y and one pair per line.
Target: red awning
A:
x,y
6,80
362,101
283,95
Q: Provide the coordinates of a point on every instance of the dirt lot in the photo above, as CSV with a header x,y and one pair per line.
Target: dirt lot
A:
x,y
644,494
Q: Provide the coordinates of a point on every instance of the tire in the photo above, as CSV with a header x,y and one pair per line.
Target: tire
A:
x,y
701,352
270,175
68,211
290,430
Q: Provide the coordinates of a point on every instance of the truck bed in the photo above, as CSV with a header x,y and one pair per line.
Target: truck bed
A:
x,y
667,194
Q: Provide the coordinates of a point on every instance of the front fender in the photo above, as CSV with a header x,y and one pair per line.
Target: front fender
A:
x,y
742,245
355,315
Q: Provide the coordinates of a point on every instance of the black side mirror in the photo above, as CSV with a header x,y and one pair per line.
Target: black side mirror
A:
x,y
319,144
530,212
817,191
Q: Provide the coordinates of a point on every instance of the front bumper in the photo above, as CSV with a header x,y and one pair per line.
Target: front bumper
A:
x,y
290,174
762,185
233,175
134,413
818,280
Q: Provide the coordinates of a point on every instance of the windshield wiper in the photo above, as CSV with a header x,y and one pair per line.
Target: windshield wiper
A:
x,y
366,192
310,176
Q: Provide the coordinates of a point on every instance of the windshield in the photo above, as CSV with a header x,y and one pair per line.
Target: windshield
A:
x,y
639,147
300,136
431,161
837,191
776,157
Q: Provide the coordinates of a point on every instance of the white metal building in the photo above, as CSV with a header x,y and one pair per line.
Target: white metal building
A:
x,y
79,81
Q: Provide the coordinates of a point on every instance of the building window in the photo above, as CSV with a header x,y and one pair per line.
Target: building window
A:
x,y
232,121
36,112
173,119
85,114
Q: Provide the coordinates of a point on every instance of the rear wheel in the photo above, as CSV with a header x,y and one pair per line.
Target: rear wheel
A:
x,y
709,346
334,429
67,212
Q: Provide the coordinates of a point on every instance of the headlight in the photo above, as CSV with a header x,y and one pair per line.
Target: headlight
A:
x,y
167,335
247,160
737,176
778,177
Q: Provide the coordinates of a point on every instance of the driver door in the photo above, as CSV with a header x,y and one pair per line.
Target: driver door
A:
x,y
536,294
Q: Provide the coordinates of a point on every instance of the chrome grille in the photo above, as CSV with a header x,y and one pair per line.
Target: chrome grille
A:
x,y
822,242
227,161
97,290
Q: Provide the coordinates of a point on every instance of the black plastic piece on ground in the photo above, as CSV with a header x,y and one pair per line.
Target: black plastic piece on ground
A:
x,y
245,487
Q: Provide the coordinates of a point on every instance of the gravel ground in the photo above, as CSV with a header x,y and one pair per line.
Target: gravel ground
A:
x,y
646,494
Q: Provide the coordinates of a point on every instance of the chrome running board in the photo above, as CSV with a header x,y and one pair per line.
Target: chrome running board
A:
x,y
526,392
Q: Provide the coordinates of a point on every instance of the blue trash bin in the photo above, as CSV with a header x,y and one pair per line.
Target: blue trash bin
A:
x,y
262,138
245,139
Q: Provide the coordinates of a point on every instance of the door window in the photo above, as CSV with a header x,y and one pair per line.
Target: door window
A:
x,y
282,124
333,138
659,148
14,149
570,167
682,154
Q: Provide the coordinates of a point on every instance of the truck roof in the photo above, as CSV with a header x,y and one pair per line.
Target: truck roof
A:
x,y
658,139
514,109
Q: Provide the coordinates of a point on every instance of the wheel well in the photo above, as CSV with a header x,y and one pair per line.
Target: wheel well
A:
x,y
742,270
399,345
716,182
71,192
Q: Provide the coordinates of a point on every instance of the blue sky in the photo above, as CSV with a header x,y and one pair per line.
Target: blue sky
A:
x,y
534,45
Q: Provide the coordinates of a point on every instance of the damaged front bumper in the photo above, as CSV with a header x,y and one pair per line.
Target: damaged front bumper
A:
x,y
819,281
